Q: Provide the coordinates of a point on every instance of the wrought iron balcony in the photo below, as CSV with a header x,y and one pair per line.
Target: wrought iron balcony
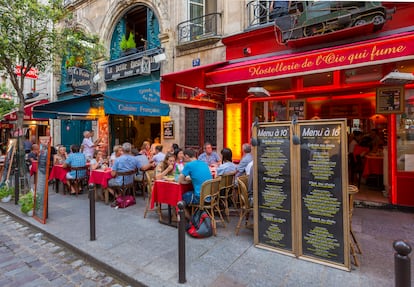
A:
x,y
203,30
258,13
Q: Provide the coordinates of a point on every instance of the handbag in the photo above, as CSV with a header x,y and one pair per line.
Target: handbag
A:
x,y
123,201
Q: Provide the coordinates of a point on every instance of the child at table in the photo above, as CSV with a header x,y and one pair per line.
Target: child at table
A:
x,y
166,167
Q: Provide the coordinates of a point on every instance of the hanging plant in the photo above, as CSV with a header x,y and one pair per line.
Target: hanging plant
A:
x,y
131,42
124,43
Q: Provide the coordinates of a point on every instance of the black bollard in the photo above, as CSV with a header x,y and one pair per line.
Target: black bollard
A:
x,y
402,264
181,242
16,186
92,210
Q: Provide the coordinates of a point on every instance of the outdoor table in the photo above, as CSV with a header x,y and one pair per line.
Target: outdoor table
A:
x,y
59,174
101,177
168,192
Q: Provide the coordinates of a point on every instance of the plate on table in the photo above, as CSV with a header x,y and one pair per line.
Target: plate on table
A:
x,y
169,178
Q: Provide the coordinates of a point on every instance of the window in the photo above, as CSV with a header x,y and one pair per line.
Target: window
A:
x,y
405,134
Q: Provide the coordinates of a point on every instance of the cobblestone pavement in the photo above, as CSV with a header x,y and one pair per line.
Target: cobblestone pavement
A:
x,y
28,258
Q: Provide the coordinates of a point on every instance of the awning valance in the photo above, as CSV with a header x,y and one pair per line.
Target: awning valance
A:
x,y
371,52
137,100
178,87
28,112
77,106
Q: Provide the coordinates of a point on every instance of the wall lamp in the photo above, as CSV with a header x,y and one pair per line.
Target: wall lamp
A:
x,y
258,92
397,78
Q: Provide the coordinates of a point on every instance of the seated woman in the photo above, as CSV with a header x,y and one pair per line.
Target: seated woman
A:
x,y
98,161
166,167
60,156
179,159
227,166
116,153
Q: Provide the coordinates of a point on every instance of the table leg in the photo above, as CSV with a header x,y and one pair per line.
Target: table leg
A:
x,y
169,222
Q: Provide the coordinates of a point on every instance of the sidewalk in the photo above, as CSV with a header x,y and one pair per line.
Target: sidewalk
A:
x,y
145,251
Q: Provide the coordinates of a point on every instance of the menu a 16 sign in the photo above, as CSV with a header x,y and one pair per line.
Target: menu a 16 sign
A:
x,y
323,201
274,184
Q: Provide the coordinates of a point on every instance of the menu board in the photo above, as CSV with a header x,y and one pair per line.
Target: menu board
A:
x,y
168,129
274,187
322,197
390,100
8,160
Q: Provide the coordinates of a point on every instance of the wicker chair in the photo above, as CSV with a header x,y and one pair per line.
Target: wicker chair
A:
x,y
226,192
245,208
125,186
81,177
210,190
149,178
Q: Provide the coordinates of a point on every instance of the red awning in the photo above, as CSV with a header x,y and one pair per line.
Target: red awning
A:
x,y
28,112
178,87
372,52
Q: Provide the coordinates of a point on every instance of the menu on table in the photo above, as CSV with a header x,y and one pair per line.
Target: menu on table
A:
x,y
274,187
322,212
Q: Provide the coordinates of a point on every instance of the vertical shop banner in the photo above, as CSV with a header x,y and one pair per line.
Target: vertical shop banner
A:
x,y
323,194
301,190
275,187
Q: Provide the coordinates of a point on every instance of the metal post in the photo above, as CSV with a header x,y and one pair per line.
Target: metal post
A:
x,y
16,185
181,243
92,210
402,264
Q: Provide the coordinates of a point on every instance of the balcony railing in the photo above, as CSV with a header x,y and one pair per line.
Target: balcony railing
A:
x,y
258,13
207,26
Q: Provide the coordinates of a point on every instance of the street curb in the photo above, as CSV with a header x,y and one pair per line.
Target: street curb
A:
x,y
87,257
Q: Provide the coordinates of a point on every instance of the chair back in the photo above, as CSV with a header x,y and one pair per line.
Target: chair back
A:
x,y
227,181
81,172
127,176
210,188
149,178
243,194
244,179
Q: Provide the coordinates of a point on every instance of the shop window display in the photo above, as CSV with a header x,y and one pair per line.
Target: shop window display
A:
x,y
405,136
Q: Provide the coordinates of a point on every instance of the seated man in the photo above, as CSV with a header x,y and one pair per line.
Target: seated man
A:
x,y
209,156
196,172
75,159
125,162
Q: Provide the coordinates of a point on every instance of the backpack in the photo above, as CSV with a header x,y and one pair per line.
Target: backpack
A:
x,y
200,225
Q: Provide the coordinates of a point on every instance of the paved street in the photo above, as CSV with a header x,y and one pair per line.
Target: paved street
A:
x,y
28,258
144,252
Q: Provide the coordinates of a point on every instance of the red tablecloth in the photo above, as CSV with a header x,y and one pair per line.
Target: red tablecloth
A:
x,y
58,172
373,165
168,192
33,168
101,177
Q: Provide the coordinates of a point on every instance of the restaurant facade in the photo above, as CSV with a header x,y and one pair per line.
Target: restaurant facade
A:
x,y
118,98
357,72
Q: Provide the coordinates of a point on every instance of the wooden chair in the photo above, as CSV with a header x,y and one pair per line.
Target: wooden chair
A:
x,y
125,186
210,191
236,196
226,192
149,178
352,190
81,177
142,184
245,207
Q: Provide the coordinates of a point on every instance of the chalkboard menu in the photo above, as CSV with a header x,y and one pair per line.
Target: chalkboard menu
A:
x,y
301,199
42,178
390,100
322,197
8,159
168,129
274,186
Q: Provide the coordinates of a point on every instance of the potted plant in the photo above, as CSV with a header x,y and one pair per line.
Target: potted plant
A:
x,y
26,202
128,46
6,193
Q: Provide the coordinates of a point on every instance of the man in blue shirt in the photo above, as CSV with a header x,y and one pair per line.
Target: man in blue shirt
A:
x,y
125,162
75,159
196,172
209,156
246,158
